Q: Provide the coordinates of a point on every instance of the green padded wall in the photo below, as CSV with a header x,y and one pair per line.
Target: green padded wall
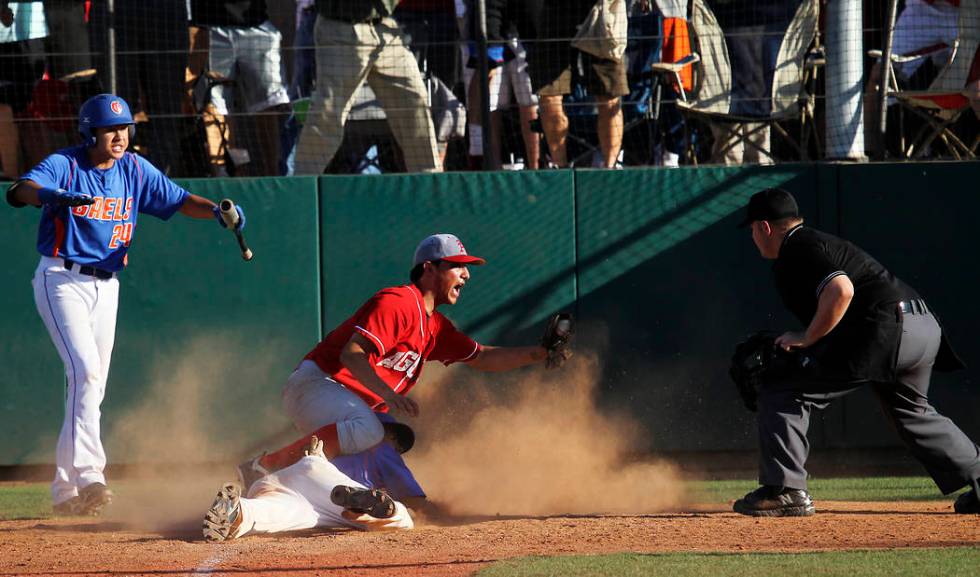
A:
x,y
668,284
919,220
32,383
208,336
204,340
521,222
662,281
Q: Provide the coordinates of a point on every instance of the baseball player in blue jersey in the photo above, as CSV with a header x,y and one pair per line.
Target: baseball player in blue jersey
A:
x,y
90,196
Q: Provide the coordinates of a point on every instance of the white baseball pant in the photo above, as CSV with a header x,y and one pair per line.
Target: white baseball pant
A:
x,y
313,400
79,312
298,497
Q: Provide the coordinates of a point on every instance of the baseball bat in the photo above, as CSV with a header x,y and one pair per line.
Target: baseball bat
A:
x,y
230,216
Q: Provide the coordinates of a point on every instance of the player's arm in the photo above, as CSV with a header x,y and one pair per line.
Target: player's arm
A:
x,y
354,356
496,359
24,192
832,303
197,207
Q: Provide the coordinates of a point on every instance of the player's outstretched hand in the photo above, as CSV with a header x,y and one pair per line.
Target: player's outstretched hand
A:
x,y
62,197
403,405
239,222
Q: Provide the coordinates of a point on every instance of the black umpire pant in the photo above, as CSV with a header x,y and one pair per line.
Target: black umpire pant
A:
x,y
950,457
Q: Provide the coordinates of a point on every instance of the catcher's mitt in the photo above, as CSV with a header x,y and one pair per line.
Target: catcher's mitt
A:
x,y
758,360
556,337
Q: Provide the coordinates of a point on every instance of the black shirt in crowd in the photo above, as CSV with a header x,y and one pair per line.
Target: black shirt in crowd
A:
x,y
240,13
864,345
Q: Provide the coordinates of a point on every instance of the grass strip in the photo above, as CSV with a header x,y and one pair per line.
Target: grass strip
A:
x,y
877,563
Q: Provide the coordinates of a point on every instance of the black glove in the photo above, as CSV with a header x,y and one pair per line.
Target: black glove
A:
x,y
556,338
757,360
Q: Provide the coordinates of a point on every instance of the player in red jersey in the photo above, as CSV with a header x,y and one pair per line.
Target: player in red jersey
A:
x,y
370,362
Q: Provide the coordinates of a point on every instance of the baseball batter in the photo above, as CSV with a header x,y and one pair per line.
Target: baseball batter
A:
x,y
90,196
315,492
371,361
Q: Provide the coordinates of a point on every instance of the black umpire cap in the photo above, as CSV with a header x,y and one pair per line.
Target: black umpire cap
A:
x,y
770,204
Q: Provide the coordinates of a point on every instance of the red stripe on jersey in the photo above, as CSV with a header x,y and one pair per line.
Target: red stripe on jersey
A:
x,y
139,169
59,235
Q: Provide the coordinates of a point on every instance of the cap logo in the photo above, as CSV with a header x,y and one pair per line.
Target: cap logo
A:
x,y
462,249
116,107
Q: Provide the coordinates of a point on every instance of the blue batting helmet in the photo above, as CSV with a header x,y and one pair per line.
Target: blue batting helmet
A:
x,y
100,111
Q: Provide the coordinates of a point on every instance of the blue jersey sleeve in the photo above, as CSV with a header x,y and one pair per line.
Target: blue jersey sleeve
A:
x,y
52,172
160,197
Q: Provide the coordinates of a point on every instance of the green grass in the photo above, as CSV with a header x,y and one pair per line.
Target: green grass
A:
x,y
31,500
884,563
843,489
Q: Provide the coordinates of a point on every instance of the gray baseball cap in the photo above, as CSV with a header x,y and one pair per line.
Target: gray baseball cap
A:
x,y
444,247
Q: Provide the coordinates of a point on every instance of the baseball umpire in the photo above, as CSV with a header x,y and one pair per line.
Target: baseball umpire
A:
x,y
866,327
371,361
90,196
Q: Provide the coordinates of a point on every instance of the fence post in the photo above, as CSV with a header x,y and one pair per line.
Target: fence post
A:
x,y
845,75
489,154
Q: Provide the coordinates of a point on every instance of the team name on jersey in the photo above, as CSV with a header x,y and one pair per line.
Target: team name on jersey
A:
x,y
106,208
400,361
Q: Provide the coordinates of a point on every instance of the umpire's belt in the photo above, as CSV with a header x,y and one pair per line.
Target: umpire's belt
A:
x,y
913,307
88,270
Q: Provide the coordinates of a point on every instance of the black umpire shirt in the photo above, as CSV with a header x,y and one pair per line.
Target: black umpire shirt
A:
x,y
864,345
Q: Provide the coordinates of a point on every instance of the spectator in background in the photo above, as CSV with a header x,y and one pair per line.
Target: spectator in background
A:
x,y
67,45
507,58
22,28
359,42
244,47
153,45
302,84
69,79
431,26
555,66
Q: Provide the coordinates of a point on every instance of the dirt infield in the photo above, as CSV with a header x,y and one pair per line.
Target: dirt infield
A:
x,y
109,547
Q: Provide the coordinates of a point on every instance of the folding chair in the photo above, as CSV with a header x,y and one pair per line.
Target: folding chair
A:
x,y
754,64
943,102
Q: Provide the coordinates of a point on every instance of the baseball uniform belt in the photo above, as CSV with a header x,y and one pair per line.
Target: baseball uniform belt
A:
x,y
88,270
913,307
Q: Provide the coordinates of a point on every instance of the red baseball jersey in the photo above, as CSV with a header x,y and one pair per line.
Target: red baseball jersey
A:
x,y
404,337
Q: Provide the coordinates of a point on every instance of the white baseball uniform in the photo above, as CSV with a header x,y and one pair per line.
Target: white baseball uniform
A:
x,y
298,497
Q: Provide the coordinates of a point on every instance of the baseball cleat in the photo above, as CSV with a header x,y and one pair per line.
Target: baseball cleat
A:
x,y
374,502
225,515
93,499
315,449
68,508
768,501
251,471
967,503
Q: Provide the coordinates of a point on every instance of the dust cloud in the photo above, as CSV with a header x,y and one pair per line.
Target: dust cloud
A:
x,y
536,447
180,441
526,443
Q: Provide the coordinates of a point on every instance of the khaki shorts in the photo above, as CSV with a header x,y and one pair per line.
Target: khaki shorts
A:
x,y
553,73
